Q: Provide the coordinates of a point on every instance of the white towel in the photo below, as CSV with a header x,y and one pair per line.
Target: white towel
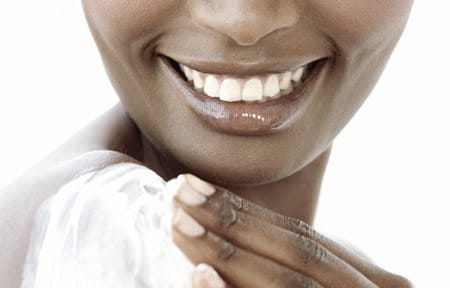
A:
x,y
106,229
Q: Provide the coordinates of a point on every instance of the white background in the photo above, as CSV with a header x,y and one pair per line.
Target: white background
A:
x,y
386,188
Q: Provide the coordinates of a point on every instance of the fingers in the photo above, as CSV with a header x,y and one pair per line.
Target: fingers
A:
x,y
371,271
291,249
204,276
238,267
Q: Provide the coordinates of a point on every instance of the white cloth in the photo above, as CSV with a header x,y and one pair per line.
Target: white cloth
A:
x,y
106,229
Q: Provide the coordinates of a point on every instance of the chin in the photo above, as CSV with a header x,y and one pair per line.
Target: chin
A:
x,y
242,171
241,176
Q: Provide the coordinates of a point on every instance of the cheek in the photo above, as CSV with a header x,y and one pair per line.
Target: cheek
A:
x,y
356,24
123,20
364,34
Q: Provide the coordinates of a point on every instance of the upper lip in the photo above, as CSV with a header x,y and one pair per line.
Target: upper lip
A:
x,y
241,68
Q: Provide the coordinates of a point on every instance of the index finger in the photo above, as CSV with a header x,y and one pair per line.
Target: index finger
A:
x,y
271,241
371,271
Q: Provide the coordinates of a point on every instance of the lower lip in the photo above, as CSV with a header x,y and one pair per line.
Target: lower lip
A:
x,y
245,119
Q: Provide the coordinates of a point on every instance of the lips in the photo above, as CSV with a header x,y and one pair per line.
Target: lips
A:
x,y
241,118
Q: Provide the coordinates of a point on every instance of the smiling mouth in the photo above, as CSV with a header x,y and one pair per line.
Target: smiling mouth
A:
x,y
248,89
241,105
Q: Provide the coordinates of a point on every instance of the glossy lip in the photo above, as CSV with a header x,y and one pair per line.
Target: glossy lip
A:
x,y
240,118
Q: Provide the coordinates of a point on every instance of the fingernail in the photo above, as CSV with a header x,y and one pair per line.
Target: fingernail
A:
x,y
200,185
186,224
206,276
186,194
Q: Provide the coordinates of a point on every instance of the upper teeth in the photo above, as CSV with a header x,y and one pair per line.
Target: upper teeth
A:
x,y
251,88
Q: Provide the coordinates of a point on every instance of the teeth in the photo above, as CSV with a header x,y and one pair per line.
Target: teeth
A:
x,y
212,86
285,80
298,74
188,73
259,88
272,86
230,90
287,90
198,80
253,90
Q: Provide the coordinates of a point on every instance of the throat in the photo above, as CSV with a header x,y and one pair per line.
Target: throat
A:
x,y
294,196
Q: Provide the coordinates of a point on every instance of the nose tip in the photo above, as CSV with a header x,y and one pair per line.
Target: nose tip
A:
x,y
245,21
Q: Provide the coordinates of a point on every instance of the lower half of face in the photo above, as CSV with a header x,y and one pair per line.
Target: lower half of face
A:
x,y
352,39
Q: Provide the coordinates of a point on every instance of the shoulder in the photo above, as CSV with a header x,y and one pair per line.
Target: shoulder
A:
x,y
21,199
113,130
106,211
110,139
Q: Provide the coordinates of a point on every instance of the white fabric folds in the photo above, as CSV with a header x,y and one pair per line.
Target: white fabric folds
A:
x,y
106,229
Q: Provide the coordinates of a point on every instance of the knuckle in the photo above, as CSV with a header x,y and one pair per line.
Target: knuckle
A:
x,y
298,226
227,217
294,280
224,214
225,250
236,201
310,252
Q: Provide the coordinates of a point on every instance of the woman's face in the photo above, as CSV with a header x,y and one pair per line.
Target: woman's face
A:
x,y
232,142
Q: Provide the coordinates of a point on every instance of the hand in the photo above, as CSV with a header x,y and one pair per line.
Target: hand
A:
x,y
251,246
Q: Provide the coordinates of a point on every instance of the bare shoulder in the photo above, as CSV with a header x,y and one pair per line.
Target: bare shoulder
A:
x,y
20,201
108,140
113,130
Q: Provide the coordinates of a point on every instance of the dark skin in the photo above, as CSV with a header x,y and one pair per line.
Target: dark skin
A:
x,y
121,136
281,172
357,39
252,246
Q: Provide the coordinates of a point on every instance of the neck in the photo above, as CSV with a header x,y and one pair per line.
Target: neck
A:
x,y
295,196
